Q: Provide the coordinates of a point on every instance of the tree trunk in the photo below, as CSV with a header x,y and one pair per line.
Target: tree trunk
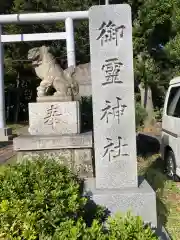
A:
x,y
147,103
142,94
8,105
17,104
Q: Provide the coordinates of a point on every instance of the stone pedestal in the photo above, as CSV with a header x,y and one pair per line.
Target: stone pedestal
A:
x,y
54,118
141,200
5,134
54,128
73,150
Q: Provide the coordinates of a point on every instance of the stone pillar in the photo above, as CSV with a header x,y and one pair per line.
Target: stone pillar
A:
x,y
113,96
5,133
116,185
71,59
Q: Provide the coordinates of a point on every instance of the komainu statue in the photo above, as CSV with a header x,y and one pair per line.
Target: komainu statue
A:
x,y
65,82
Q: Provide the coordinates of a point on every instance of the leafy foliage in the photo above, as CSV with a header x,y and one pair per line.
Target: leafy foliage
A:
x,y
129,227
42,200
140,115
37,195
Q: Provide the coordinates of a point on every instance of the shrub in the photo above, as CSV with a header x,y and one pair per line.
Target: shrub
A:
x,y
35,197
129,227
158,114
118,227
141,114
42,200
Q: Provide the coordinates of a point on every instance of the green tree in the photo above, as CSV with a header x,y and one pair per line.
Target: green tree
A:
x,y
152,32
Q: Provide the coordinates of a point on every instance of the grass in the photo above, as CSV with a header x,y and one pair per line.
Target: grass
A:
x,y
167,192
11,160
16,127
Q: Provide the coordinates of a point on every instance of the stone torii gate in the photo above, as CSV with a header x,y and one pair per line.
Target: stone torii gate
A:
x,y
68,35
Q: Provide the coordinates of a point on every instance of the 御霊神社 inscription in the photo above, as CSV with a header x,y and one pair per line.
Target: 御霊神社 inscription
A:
x,y
115,150
112,68
110,32
114,110
113,95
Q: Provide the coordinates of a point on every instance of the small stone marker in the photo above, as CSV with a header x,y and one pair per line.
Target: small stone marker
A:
x,y
113,96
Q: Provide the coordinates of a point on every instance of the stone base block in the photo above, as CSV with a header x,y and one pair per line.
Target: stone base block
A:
x,y
141,200
75,151
77,160
47,118
5,134
50,142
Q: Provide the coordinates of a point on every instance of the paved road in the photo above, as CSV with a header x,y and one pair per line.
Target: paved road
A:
x,y
6,151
